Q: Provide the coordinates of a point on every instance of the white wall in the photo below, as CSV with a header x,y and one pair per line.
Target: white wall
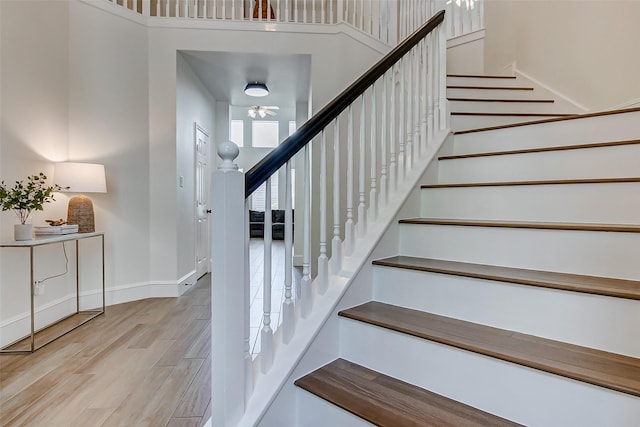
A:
x,y
584,49
96,86
108,123
194,104
327,79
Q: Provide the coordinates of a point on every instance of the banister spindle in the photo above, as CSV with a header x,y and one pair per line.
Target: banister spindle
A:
x,y
431,86
361,21
266,334
362,208
402,160
305,16
323,261
306,302
443,75
373,191
393,137
383,144
423,96
288,318
233,9
278,18
336,243
409,154
313,11
349,225
416,102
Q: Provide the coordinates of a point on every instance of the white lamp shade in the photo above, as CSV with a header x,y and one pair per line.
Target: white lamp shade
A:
x,y
80,177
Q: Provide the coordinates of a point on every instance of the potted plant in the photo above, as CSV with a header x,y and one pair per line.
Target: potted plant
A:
x,y
24,198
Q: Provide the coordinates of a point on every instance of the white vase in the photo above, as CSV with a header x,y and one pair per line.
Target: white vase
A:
x,y
22,232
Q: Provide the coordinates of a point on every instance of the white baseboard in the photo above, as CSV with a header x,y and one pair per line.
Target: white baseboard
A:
x,y
634,103
557,93
466,38
18,326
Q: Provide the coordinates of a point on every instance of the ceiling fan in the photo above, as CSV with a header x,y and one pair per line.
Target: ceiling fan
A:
x,y
262,111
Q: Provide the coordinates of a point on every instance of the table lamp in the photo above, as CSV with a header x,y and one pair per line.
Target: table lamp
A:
x,y
81,178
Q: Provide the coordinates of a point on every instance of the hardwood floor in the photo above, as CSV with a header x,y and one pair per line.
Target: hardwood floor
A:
x,y
144,363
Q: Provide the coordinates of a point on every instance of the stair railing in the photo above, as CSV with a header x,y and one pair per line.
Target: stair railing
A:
x,y
355,153
386,20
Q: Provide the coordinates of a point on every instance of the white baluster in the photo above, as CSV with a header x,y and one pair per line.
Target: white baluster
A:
x,y
361,20
442,77
416,101
306,302
430,86
266,334
354,22
233,9
260,10
146,8
313,11
330,17
362,207
295,11
383,143
229,300
393,140
349,225
323,13
288,318
402,160
373,191
166,8
409,155
286,10
304,5
336,243
424,109
340,12
480,5
323,260
278,18
248,359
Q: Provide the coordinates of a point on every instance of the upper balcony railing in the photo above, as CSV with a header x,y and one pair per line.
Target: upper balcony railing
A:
x,y
386,20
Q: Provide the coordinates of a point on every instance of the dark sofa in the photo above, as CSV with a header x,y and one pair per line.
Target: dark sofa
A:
x,y
256,224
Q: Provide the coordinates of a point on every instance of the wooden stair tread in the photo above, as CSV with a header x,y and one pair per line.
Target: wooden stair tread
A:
x,y
465,113
549,101
539,182
481,76
556,119
543,149
386,401
621,228
605,286
488,87
610,370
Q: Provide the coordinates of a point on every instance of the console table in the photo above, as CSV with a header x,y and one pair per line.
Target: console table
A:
x,y
30,245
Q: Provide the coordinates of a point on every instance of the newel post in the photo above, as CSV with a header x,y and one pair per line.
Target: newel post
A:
x,y
229,314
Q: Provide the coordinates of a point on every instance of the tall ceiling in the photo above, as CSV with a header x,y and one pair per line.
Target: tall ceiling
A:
x,y
225,74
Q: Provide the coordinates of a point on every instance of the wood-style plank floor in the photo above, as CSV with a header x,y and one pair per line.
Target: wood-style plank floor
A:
x,y
143,363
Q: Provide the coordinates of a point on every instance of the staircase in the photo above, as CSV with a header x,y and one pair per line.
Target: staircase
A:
x,y
514,298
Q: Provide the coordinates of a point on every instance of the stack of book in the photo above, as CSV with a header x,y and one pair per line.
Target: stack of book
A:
x,y
53,230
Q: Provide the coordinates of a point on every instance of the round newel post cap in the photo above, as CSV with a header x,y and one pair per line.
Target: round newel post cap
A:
x,y
228,151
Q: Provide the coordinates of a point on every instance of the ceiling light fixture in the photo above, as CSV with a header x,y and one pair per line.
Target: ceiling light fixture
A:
x,y
256,89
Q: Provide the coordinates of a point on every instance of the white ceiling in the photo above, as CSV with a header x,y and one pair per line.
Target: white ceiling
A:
x,y
225,74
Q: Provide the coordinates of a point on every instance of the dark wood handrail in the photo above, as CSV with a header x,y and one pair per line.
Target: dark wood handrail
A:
x,y
294,143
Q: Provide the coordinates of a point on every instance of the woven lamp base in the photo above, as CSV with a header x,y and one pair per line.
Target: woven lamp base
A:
x,y
80,211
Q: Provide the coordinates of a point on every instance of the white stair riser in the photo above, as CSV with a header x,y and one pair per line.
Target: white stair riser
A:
x,y
579,203
506,107
582,252
459,123
604,162
549,313
494,93
501,388
314,411
483,81
616,127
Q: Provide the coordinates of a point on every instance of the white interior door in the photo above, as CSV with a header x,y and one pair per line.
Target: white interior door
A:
x,y
202,200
